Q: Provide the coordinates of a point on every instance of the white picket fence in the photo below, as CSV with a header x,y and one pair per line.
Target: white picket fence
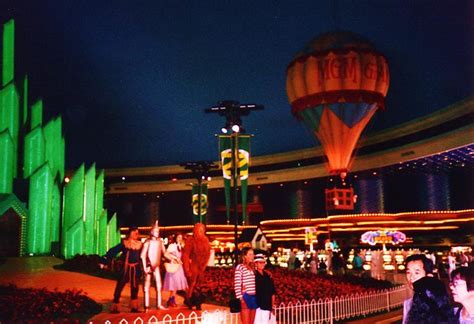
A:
x,y
327,310
212,317
342,308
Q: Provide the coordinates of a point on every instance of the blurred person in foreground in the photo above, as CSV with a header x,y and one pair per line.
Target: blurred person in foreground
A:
x,y
265,292
417,266
430,303
462,288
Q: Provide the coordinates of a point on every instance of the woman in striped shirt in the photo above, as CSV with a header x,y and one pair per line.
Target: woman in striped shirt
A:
x,y
244,286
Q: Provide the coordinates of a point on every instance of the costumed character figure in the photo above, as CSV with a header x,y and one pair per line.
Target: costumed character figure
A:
x,y
131,272
153,250
195,257
174,276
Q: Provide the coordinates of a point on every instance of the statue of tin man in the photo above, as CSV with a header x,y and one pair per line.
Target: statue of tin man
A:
x,y
153,250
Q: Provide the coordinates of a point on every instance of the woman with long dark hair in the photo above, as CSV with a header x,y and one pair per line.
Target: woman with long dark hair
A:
x,y
244,285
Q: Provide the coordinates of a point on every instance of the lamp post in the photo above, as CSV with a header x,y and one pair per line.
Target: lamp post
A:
x,y
200,170
232,111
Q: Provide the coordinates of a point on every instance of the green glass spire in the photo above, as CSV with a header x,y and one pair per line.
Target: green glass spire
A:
x,y
8,52
34,151
6,162
89,211
73,213
39,206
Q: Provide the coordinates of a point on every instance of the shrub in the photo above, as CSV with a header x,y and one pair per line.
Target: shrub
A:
x,y
41,305
291,286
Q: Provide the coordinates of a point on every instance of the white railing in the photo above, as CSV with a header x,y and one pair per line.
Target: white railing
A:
x,y
211,317
341,308
322,311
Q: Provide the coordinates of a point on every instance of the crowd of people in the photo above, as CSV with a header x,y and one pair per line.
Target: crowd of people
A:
x,y
332,263
336,262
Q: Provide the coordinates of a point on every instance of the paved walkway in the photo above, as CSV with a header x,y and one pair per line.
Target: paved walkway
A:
x,y
38,272
391,317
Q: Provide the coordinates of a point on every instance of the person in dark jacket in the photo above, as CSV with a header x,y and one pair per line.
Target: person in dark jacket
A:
x,y
431,303
265,291
131,271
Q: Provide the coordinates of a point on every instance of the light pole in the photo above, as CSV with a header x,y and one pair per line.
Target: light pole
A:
x,y
232,111
200,170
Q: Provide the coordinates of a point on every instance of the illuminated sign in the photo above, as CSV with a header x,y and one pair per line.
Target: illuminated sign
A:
x,y
383,237
310,235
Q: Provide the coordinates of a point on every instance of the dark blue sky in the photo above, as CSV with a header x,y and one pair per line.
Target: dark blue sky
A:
x,y
132,78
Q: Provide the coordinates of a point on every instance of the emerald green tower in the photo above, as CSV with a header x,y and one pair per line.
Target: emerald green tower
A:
x,y
32,153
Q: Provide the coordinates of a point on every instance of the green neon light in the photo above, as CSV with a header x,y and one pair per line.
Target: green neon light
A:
x,y
6,167
62,157
99,193
55,211
84,221
102,233
37,114
25,101
72,211
54,152
9,117
99,210
112,238
75,239
8,52
34,149
89,211
39,206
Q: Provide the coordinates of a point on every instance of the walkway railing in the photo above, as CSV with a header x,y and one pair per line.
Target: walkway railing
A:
x,y
327,310
342,308
211,317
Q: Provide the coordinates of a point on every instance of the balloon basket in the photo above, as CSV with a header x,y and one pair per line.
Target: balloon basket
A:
x,y
339,199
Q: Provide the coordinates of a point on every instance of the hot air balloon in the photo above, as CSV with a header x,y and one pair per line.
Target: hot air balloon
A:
x,y
335,86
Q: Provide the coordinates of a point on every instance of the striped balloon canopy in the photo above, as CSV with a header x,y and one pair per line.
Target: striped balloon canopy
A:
x,y
335,86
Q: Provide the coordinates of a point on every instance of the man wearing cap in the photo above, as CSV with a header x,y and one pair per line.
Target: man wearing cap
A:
x,y
265,291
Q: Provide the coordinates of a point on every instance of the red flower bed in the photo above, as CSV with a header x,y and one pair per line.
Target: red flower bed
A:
x,y
40,305
291,286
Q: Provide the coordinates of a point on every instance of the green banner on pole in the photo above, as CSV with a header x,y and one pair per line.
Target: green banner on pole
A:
x,y
244,161
225,156
195,202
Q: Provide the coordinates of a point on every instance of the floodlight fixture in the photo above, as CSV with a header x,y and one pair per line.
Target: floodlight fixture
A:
x,y
235,128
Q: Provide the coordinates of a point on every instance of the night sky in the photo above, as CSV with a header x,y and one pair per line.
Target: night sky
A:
x,y
132,78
